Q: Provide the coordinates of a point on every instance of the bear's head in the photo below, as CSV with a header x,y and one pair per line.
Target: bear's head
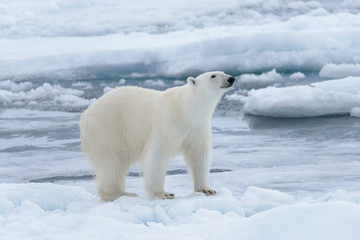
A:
x,y
216,82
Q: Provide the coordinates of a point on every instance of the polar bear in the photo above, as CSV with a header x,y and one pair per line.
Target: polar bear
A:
x,y
133,124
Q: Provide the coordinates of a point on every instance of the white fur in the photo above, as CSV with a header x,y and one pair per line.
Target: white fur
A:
x,y
132,124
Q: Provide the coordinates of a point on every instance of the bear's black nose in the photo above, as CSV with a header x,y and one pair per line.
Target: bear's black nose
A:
x,y
231,80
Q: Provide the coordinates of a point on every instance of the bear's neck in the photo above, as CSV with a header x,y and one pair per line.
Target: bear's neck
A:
x,y
200,106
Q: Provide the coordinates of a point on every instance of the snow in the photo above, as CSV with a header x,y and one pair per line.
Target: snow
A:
x,y
331,97
355,112
236,97
43,211
179,83
154,83
15,87
336,220
173,39
24,93
297,76
107,89
271,76
162,16
83,85
339,70
257,200
122,81
349,85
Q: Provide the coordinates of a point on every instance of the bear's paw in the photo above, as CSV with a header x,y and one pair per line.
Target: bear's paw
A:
x,y
127,194
208,192
163,195
168,195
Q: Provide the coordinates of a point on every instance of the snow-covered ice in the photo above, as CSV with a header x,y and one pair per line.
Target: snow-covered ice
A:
x,y
333,97
161,38
49,211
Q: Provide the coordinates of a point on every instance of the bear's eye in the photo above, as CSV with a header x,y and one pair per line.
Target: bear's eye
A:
x,y
213,76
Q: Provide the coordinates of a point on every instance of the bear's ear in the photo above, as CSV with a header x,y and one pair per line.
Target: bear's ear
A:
x,y
191,81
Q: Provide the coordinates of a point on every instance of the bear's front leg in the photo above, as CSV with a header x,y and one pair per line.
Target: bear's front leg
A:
x,y
155,167
197,154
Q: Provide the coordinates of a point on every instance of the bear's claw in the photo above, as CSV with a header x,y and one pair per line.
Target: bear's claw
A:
x,y
208,192
168,195
163,195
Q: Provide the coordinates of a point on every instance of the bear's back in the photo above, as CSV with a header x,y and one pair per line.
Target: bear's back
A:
x,y
121,115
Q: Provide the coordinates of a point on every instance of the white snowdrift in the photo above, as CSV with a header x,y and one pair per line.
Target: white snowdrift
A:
x,y
49,211
324,98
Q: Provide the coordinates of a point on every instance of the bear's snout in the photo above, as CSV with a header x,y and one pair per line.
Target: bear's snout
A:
x,y
231,80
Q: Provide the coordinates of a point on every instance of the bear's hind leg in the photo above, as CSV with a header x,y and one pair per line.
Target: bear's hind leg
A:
x,y
107,191
111,180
